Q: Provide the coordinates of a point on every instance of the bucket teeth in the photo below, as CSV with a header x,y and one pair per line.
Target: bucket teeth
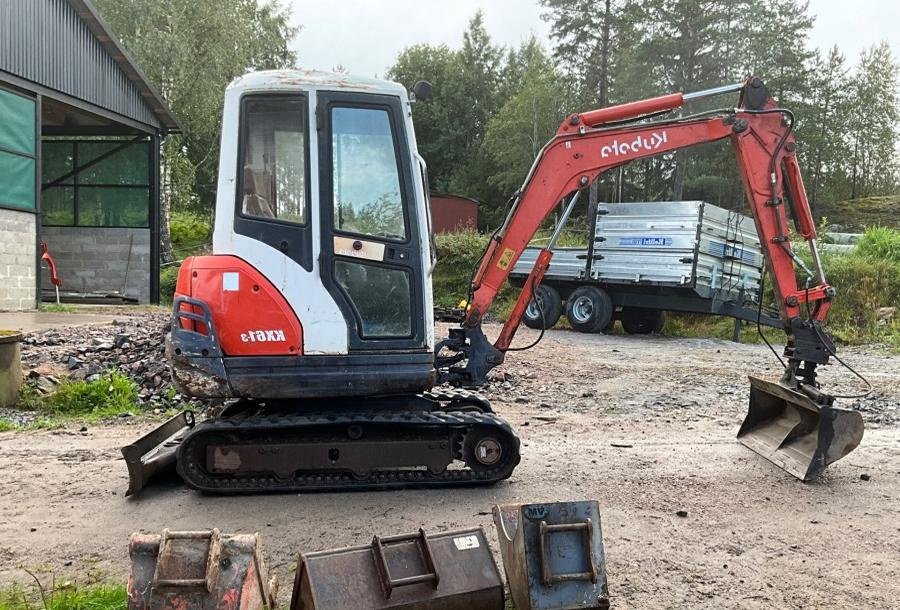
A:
x,y
795,433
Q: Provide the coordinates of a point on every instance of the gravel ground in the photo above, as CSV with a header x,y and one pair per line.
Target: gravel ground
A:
x,y
645,425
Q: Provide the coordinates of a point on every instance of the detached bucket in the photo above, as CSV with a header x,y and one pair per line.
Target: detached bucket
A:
x,y
155,452
199,571
447,571
794,432
553,555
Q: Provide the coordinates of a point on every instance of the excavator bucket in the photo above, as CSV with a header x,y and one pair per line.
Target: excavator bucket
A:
x,y
796,433
154,453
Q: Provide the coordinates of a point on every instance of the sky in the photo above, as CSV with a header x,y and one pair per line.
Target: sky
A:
x,y
365,36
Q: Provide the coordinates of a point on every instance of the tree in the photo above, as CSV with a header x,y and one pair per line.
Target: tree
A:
x,y
584,33
773,38
528,119
822,136
468,91
873,122
191,50
441,123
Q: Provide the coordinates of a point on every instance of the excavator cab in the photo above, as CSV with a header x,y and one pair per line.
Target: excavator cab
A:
x,y
319,282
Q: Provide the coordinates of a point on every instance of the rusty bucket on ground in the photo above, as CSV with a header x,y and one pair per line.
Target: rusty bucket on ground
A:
x,y
553,555
795,432
446,571
198,571
155,453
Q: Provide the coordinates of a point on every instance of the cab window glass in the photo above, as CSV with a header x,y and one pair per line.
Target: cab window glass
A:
x,y
367,195
273,170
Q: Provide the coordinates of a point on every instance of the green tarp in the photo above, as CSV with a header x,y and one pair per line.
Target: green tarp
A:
x,y
17,149
17,123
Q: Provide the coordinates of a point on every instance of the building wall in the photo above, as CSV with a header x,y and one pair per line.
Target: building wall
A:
x,y
17,259
450,213
96,259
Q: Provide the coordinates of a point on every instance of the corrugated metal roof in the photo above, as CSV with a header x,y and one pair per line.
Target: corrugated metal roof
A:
x,y
65,46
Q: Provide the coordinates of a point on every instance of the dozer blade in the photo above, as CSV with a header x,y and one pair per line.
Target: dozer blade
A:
x,y
792,431
155,452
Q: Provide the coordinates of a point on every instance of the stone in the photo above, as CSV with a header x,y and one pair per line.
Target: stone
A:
x,y
44,385
885,314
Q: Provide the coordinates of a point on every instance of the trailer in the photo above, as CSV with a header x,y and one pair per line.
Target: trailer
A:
x,y
646,258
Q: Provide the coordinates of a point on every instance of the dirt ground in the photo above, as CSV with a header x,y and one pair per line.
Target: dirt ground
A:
x,y
645,425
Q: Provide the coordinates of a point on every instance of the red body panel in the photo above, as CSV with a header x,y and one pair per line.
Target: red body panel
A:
x,y
250,315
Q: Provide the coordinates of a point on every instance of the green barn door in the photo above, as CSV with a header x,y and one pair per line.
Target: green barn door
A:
x,y
18,150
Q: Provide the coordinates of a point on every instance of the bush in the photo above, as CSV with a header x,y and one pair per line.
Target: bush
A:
x,y
168,277
458,255
190,233
866,280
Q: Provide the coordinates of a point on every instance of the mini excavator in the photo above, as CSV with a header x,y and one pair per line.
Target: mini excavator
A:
x,y
312,317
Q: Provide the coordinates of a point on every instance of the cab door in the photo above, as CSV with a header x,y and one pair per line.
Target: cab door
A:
x,y
370,254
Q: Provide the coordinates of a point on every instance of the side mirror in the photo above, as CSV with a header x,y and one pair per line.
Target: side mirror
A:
x,y
421,91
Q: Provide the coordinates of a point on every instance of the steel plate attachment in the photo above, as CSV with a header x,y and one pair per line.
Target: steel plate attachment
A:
x,y
447,571
553,555
198,571
154,453
796,433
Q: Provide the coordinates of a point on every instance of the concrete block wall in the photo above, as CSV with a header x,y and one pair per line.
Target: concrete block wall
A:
x,y
18,248
96,259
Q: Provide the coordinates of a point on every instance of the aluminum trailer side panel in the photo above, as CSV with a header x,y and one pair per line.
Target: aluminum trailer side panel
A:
x,y
689,244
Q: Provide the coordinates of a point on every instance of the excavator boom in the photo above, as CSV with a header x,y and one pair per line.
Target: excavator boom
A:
x,y
783,423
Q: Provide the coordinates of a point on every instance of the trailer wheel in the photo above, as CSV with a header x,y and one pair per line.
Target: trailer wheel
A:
x,y
551,303
589,309
642,321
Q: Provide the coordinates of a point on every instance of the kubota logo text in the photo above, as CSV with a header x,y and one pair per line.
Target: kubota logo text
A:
x,y
263,336
618,149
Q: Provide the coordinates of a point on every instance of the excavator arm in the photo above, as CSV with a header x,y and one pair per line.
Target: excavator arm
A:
x,y
591,143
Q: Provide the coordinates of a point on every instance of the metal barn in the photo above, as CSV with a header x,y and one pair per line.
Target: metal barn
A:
x,y
80,133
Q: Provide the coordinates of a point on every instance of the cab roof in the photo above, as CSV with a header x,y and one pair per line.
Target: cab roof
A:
x,y
293,80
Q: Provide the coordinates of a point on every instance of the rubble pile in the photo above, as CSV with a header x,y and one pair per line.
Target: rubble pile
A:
x,y
132,345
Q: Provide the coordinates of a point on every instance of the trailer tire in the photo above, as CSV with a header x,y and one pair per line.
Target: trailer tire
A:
x,y
589,309
643,321
552,305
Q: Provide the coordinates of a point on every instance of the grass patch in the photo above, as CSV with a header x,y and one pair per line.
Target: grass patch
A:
x,y
715,327
97,597
880,243
108,396
57,308
6,426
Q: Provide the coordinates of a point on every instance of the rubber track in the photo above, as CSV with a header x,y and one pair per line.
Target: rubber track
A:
x,y
260,426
